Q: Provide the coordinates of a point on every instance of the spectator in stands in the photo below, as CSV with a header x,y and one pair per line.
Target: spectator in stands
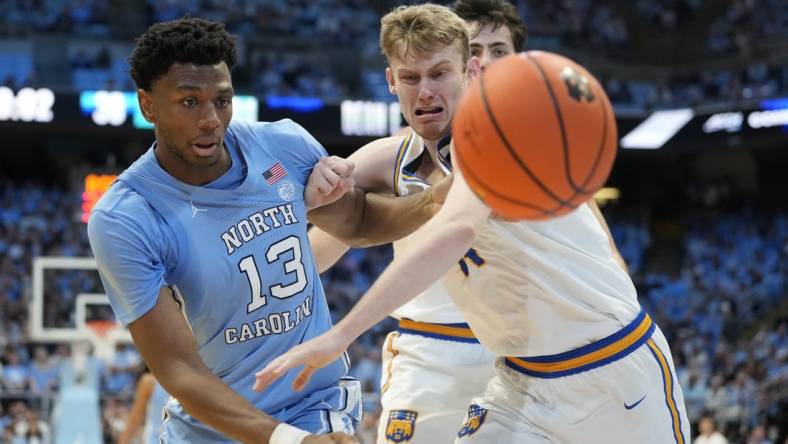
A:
x,y
43,371
708,432
122,371
758,436
16,375
32,430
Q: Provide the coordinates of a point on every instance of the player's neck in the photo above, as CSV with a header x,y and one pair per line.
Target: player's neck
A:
x,y
435,146
432,147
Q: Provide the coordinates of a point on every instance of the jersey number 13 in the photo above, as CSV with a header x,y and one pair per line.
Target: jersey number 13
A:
x,y
279,291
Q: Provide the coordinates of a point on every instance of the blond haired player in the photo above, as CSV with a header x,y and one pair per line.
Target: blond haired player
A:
x,y
432,365
578,358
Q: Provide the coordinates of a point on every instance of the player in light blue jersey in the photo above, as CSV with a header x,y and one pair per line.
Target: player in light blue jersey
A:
x,y
202,248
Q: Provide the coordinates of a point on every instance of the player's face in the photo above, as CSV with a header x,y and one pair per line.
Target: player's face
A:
x,y
191,107
489,44
429,88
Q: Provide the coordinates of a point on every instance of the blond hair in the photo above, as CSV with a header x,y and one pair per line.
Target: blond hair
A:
x,y
422,29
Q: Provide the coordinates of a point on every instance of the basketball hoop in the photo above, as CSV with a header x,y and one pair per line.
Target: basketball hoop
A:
x,y
102,338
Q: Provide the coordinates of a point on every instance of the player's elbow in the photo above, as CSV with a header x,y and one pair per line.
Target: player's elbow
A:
x,y
178,378
464,231
358,240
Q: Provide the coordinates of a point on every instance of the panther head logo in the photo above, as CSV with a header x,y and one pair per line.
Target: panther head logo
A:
x,y
474,420
400,426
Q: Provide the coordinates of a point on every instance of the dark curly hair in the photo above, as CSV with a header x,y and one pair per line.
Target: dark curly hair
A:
x,y
186,40
496,13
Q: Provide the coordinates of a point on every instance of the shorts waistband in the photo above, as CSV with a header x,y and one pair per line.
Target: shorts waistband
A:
x,y
587,357
460,332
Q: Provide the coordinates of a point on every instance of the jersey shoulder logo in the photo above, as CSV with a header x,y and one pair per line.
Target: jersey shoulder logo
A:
x,y
286,191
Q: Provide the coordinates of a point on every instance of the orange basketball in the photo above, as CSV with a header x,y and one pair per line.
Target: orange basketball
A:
x,y
535,136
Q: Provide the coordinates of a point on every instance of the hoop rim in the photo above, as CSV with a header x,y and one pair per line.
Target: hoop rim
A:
x,y
102,327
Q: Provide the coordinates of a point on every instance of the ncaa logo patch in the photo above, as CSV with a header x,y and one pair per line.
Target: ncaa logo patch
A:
x,y
286,190
473,422
401,425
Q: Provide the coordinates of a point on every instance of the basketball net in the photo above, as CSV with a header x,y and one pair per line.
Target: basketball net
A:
x,y
102,339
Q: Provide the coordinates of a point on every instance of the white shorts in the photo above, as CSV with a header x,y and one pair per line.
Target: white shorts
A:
x,y
629,395
431,372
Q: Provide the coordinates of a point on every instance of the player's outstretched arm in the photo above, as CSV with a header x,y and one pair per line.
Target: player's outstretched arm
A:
x,y
168,347
368,214
363,219
438,245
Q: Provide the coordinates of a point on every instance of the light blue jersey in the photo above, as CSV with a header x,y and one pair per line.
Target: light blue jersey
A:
x,y
238,260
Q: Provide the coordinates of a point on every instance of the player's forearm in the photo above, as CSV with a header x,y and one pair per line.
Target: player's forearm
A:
x,y
439,247
208,399
389,218
362,219
326,248
167,345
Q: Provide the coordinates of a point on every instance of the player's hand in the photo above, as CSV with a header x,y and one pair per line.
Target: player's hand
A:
x,y
331,178
333,438
438,194
313,355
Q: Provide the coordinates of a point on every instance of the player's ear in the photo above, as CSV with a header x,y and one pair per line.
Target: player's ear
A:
x,y
390,80
474,68
146,105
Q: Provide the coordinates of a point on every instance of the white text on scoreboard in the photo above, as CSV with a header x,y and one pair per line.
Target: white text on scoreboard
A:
x,y
114,108
363,118
27,105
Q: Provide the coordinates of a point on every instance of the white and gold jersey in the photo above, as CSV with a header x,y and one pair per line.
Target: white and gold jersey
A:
x,y
525,288
434,305
542,288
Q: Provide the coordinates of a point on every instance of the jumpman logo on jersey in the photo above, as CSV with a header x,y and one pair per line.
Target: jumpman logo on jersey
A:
x,y
196,210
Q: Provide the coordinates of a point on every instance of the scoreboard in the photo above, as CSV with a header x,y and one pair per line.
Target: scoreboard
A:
x,y
26,105
94,187
345,126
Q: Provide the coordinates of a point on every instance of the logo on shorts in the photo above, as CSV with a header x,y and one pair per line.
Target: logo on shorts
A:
x,y
475,419
635,404
286,190
401,425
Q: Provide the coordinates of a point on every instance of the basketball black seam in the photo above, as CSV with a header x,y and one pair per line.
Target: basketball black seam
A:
x,y
467,172
508,146
560,117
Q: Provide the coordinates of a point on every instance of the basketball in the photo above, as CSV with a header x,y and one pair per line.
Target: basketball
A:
x,y
535,136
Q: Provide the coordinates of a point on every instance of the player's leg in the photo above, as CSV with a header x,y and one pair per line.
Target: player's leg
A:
x,y
639,400
496,418
427,385
674,424
631,397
